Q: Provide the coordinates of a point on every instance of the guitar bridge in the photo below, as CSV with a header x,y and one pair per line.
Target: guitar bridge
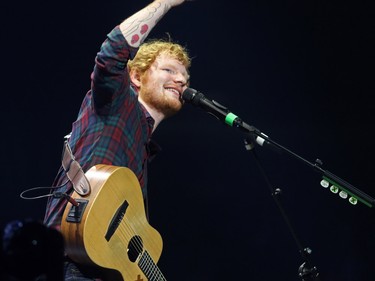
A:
x,y
76,212
116,220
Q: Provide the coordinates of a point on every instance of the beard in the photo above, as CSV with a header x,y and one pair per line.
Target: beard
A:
x,y
167,105
158,98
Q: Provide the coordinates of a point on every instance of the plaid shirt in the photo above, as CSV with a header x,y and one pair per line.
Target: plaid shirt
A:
x,y
112,126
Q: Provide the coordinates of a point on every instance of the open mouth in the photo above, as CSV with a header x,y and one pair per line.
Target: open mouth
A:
x,y
174,91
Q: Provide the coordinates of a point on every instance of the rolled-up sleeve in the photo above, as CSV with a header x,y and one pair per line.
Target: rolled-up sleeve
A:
x,y
110,77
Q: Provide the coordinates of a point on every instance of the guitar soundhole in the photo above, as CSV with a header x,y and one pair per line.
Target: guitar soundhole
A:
x,y
135,248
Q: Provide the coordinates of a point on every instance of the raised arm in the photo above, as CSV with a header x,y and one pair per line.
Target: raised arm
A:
x,y
136,28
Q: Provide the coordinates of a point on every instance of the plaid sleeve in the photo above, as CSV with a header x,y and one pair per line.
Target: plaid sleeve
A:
x,y
110,77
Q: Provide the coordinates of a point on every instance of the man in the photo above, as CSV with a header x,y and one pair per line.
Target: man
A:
x,y
134,87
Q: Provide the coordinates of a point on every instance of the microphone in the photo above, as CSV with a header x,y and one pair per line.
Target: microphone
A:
x,y
214,108
222,113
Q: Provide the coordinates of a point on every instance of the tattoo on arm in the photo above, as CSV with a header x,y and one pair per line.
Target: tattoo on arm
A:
x,y
137,29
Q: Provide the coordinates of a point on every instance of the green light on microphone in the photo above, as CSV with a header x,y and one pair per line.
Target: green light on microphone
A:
x,y
229,119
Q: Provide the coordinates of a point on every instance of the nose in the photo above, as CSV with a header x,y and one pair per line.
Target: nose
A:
x,y
180,79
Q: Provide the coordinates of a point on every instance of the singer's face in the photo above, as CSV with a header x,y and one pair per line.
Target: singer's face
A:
x,y
161,86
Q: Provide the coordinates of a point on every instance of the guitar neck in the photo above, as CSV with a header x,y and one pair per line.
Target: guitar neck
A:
x,y
149,268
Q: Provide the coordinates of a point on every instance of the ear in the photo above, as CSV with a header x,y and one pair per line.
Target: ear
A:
x,y
135,78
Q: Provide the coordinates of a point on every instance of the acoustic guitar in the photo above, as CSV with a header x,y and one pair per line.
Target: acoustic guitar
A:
x,y
108,227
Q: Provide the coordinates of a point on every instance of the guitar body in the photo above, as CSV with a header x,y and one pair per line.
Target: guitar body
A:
x,y
109,228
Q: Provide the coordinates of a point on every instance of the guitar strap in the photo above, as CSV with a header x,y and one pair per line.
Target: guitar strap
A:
x,y
74,171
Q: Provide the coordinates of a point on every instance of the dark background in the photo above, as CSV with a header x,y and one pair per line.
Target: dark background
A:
x,y
299,71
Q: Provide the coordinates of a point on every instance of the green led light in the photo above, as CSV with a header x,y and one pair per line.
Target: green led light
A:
x,y
324,183
335,188
353,200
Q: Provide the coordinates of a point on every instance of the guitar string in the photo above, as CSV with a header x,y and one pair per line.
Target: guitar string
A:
x,y
138,245
156,272
129,231
150,264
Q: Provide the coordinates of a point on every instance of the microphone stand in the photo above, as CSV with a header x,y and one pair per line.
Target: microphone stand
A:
x,y
337,185
307,271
